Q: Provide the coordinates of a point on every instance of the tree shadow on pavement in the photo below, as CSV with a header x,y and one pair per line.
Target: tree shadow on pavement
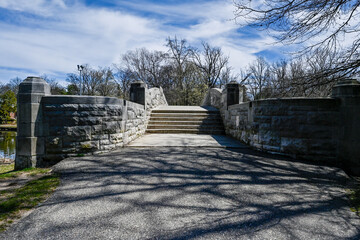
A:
x,y
194,193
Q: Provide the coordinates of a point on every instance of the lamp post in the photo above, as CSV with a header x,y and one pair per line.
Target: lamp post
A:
x,y
80,68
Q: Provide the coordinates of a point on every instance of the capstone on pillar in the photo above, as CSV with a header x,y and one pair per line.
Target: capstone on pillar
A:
x,y
348,92
138,92
30,141
235,93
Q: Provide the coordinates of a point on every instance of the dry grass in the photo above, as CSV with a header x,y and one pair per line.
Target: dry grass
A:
x,y
21,196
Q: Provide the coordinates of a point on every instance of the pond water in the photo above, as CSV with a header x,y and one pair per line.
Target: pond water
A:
x,y
7,145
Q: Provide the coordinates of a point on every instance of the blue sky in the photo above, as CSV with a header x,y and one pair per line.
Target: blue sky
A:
x,y
52,37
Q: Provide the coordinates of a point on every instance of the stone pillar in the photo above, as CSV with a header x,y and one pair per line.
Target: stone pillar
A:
x,y
348,91
138,92
234,93
29,141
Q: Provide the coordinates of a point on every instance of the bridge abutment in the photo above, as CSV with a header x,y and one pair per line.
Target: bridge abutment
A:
x,y
349,138
30,136
138,92
316,129
53,127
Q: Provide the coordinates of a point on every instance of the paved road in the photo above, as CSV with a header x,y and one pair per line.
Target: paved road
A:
x,y
186,140
192,193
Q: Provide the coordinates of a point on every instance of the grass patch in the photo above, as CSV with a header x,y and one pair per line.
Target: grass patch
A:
x,y
15,201
354,196
8,125
7,171
6,168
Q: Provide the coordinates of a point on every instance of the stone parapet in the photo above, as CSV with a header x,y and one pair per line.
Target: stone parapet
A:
x,y
302,128
51,128
348,93
213,98
84,124
316,129
154,98
30,136
138,91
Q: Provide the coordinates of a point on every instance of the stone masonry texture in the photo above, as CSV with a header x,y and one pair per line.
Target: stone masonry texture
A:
x,y
303,128
79,125
54,127
315,129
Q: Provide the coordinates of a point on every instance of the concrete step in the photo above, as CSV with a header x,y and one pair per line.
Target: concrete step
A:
x,y
194,131
186,118
186,111
187,114
201,127
203,122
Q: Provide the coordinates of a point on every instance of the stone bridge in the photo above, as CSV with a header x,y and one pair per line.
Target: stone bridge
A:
x,y
51,128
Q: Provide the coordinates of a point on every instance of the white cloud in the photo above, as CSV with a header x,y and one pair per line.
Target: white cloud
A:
x,y
65,36
40,7
208,30
221,9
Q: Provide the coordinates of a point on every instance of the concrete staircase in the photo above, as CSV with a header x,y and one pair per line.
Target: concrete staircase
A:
x,y
186,119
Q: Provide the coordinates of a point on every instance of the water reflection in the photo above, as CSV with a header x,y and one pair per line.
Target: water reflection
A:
x,y
7,145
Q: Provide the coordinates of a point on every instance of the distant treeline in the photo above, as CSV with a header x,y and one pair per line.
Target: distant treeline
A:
x,y
186,73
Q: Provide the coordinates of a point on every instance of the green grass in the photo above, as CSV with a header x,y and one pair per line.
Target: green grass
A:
x,y
13,202
8,125
6,168
7,171
354,196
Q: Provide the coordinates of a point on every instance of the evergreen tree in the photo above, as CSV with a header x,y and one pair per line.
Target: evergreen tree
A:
x,y
7,105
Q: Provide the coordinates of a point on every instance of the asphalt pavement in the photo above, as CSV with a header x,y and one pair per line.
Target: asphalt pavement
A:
x,y
192,193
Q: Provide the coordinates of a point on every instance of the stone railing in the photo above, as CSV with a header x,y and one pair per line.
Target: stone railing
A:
x,y
316,129
51,128
155,97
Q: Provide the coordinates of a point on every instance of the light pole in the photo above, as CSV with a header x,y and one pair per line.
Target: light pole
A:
x,y
80,68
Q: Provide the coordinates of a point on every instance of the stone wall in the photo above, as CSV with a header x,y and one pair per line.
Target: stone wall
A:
x,y
75,125
51,128
302,128
348,92
214,98
155,97
316,129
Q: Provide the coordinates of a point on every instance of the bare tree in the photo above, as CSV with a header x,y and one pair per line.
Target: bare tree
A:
x,y
108,85
180,56
94,82
326,23
279,79
14,84
258,80
212,63
227,76
55,87
289,78
124,77
182,69
176,71
145,65
91,79
74,86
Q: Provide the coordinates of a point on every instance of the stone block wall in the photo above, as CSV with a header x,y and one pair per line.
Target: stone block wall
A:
x,y
302,128
55,127
155,97
214,98
348,92
74,125
136,121
316,129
